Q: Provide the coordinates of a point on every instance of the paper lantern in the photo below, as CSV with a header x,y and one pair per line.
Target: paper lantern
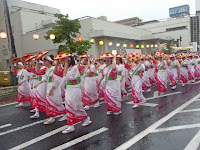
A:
x,y
151,46
163,46
110,43
36,36
156,45
118,45
101,42
142,46
80,39
3,35
92,41
52,36
131,45
147,46
137,46
124,45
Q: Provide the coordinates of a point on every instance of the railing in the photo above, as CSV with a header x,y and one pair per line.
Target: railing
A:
x,y
8,93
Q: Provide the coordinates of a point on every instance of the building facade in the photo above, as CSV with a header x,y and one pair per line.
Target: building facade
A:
x,y
28,19
171,29
197,4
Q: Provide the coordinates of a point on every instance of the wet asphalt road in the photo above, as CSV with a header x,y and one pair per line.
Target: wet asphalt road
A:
x,y
115,130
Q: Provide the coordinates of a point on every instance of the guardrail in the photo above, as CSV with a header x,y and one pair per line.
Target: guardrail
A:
x,y
8,94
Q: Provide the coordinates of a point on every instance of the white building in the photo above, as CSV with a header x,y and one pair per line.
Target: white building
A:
x,y
170,29
28,19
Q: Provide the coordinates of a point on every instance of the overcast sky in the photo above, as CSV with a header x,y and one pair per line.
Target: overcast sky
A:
x,y
117,10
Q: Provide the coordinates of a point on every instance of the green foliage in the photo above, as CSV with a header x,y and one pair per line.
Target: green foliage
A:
x,y
66,32
168,50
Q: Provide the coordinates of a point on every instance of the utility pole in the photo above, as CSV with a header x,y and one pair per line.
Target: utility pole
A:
x,y
180,40
9,29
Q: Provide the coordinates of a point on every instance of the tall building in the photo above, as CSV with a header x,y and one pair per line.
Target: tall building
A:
x,y
197,7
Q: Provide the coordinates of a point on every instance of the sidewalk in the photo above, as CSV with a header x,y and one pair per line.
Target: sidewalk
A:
x,y
8,95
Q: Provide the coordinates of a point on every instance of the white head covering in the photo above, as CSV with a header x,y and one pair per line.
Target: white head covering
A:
x,y
48,58
41,62
20,63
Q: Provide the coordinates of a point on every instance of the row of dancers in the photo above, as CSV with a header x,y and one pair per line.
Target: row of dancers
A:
x,y
61,85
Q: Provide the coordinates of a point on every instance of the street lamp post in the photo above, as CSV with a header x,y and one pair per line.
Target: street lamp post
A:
x,y
9,28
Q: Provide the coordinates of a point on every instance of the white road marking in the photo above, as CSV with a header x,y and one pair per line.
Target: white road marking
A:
x,y
198,100
163,95
6,125
149,104
177,128
196,82
8,104
23,127
35,140
151,128
194,143
144,104
155,94
190,110
80,139
101,103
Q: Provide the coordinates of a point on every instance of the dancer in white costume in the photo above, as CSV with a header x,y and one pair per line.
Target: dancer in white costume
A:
x,y
174,67
40,87
136,80
191,65
23,88
73,96
112,94
90,95
161,74
121,73
54,104
102,86
146,85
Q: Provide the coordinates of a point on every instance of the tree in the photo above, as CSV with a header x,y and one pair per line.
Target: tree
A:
x,y
66,31
168,50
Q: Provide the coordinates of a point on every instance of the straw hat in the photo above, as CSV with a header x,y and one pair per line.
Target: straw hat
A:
x,y
172,55
30,57
134,57
84,55
107,55
15,60
159,54
41,54
119,55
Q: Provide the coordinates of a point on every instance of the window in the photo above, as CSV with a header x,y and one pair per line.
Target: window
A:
x,y
176,28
